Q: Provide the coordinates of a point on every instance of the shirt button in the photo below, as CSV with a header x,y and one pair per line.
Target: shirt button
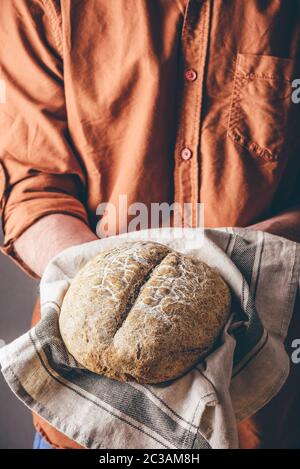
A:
x,y
190,75
186,154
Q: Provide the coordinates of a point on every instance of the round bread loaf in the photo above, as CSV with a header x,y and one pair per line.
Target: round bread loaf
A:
x,y
143,312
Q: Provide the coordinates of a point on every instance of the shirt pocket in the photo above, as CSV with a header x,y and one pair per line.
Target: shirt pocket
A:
x,y
262,115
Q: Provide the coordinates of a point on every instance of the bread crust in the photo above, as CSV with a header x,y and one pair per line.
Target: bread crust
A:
x,y
143,312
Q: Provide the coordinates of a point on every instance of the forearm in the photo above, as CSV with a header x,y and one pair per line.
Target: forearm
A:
x,y
286,224
49,236
54,233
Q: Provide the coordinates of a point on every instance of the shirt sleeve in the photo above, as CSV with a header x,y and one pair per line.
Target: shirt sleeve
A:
x,y
40,172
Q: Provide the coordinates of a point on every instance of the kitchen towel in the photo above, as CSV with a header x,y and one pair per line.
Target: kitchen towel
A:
x,y
197,411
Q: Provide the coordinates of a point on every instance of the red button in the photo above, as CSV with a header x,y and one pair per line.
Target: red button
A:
x,y
190,75
186,154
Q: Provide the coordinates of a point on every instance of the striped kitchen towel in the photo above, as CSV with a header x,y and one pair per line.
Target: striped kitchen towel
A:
x,y
198,410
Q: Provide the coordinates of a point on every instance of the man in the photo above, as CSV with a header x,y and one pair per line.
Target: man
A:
x,y
160,100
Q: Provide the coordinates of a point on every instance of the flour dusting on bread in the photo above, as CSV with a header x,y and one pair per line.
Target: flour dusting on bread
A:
x,y
143,312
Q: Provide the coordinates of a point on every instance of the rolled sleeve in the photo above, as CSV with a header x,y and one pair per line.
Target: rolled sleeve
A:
x,y
40,171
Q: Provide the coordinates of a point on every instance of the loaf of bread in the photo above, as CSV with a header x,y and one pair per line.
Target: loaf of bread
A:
x,y
143,312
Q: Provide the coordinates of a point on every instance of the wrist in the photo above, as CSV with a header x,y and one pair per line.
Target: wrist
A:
x,y
286,225
48,237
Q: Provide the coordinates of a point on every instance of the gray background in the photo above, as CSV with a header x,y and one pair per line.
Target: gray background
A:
x,y
17,296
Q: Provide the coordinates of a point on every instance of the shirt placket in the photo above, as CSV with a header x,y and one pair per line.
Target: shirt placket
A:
x,y
193,53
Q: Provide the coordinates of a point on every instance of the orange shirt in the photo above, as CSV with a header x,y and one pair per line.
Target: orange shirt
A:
x,y
153,99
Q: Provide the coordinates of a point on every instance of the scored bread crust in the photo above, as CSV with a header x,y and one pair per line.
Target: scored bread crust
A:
x,y
143,312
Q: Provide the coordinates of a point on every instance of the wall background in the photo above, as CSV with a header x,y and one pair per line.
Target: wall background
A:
x,y
17,297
